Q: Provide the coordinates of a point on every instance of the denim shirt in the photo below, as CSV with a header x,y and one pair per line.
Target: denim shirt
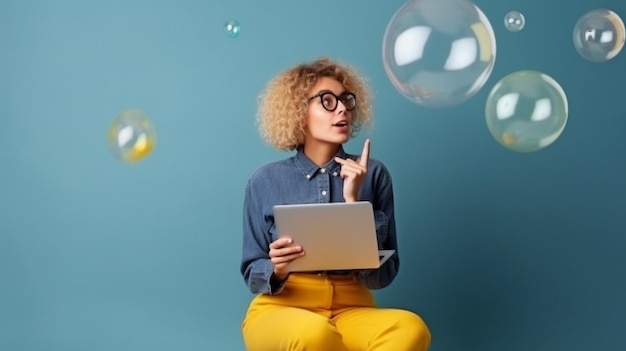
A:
x,y
297,180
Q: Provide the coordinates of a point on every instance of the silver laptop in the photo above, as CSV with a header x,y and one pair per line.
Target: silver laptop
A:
x,y
334,236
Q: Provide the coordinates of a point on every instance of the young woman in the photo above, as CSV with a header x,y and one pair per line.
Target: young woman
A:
x,y
314,109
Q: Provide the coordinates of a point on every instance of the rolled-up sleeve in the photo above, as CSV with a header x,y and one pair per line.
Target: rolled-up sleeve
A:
x,y
384,218
256,266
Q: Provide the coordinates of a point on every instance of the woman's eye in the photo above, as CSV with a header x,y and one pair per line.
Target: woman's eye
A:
x,y
328,101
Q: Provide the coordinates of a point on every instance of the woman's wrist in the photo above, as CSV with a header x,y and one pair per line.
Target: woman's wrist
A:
x,y
279,278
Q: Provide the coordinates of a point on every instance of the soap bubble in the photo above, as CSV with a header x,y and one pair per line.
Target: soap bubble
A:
x,y
599,35
131,136
514,21
438,53
526,111
232,28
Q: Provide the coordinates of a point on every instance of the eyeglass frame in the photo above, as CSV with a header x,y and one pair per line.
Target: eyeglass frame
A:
x,y
341,98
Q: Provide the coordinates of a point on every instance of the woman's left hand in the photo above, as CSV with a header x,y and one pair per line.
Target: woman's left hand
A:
x,y
353,172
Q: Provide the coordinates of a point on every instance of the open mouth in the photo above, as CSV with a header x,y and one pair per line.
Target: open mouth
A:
x,y
341,124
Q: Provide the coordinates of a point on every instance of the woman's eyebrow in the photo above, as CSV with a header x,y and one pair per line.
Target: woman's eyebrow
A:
x,y
330,91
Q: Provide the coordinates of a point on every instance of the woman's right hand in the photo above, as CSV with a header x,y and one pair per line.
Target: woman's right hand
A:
x,y
282,252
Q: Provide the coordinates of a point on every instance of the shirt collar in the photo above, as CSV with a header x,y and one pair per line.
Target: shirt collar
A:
x,y
310,169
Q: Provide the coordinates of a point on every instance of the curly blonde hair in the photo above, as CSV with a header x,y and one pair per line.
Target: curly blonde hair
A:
x,y
283,103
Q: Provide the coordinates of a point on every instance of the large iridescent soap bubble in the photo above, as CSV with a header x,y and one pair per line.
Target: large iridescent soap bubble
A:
x,y
438,53
526,111
131,136
599,35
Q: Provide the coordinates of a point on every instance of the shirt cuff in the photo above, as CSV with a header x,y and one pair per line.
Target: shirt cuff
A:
x,y
276,286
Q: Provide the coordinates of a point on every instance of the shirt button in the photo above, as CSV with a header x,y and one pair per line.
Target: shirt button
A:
x,y
323,170
324,192
308,176
334,174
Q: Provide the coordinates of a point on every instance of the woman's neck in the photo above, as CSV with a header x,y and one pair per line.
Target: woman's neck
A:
x,y
321,154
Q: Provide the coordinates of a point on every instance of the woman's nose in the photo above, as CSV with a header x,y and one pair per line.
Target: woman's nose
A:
x,y
340,107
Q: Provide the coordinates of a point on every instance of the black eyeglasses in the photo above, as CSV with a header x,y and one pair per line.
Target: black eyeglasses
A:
x,y
330,101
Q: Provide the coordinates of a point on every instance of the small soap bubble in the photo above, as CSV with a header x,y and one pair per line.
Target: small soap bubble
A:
x,y
514,21
131,136
232,28
599,35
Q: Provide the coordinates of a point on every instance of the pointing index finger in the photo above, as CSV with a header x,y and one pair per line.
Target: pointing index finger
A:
x,y
365,155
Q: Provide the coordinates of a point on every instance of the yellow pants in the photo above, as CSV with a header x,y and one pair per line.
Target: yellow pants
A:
x,y
329,313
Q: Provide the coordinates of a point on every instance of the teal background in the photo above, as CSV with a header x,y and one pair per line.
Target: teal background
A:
x,y
499,250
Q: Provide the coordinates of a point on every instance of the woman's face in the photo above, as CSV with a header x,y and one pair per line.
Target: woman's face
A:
x,y
328,119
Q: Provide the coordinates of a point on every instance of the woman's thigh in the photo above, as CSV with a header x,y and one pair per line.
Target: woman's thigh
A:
x,y
282,328
382,329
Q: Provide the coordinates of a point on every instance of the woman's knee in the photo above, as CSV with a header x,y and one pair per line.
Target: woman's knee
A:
x,y
414,328
313,332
